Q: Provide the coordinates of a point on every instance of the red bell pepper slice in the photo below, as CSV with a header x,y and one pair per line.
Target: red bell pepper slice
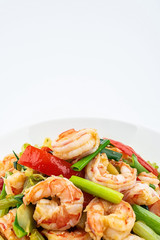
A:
x,y
87,198
129,151
43,161
1,184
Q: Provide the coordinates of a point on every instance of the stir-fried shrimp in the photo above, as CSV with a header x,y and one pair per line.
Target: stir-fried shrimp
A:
x,y
155,208
74,144
63,235
7,164
6,227
149,178
141,194
65,208
110,221
133,237
14,183
96,171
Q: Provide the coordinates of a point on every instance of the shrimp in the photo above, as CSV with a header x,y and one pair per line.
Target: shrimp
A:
x,y
7,164
65,208
133,237
141,194
96,171
63,235
74,144
149,178
6,227
14,183
108,220
155,208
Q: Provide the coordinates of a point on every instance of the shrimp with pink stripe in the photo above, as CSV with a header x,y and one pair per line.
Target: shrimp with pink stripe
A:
x,y
63,210
63,235
96,171
110,221
141,194
74,144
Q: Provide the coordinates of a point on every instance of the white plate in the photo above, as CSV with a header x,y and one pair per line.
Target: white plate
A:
x,y
143,140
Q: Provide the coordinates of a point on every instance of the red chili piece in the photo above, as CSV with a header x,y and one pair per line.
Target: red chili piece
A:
x,y
43,161
129,151
87,198
1,184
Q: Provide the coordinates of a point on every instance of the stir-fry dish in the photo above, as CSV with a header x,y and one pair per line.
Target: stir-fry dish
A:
x,y
79,187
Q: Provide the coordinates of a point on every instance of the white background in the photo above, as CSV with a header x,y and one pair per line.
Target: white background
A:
x,y
79,58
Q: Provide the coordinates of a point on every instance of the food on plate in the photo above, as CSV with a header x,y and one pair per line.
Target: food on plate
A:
x,y
79,187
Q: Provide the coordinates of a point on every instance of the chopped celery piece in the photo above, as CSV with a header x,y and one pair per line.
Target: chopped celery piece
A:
x,y
3,211
2,196
11,201
152,220
142,230
111,169
3,192
35,235
137,165
19,231
97,190
25,217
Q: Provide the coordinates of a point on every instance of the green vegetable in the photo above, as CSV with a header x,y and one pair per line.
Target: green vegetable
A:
x,y
112,154
11,201
16,165
25,218
2,196
3,212
152,220
152,186
35,235
23,148
1,238
136,164
19,231
47,143
142,230
78,166
27,184
3,192
33,180
97,189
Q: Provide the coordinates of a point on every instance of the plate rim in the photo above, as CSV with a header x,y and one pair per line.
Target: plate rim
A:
x,y
12,132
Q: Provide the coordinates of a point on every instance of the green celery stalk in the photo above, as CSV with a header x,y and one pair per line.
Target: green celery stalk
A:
x,y
137,165
152,220
3,212
3,192
97,190
11,201
142,230
78,166
2,196
35,235
19,231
